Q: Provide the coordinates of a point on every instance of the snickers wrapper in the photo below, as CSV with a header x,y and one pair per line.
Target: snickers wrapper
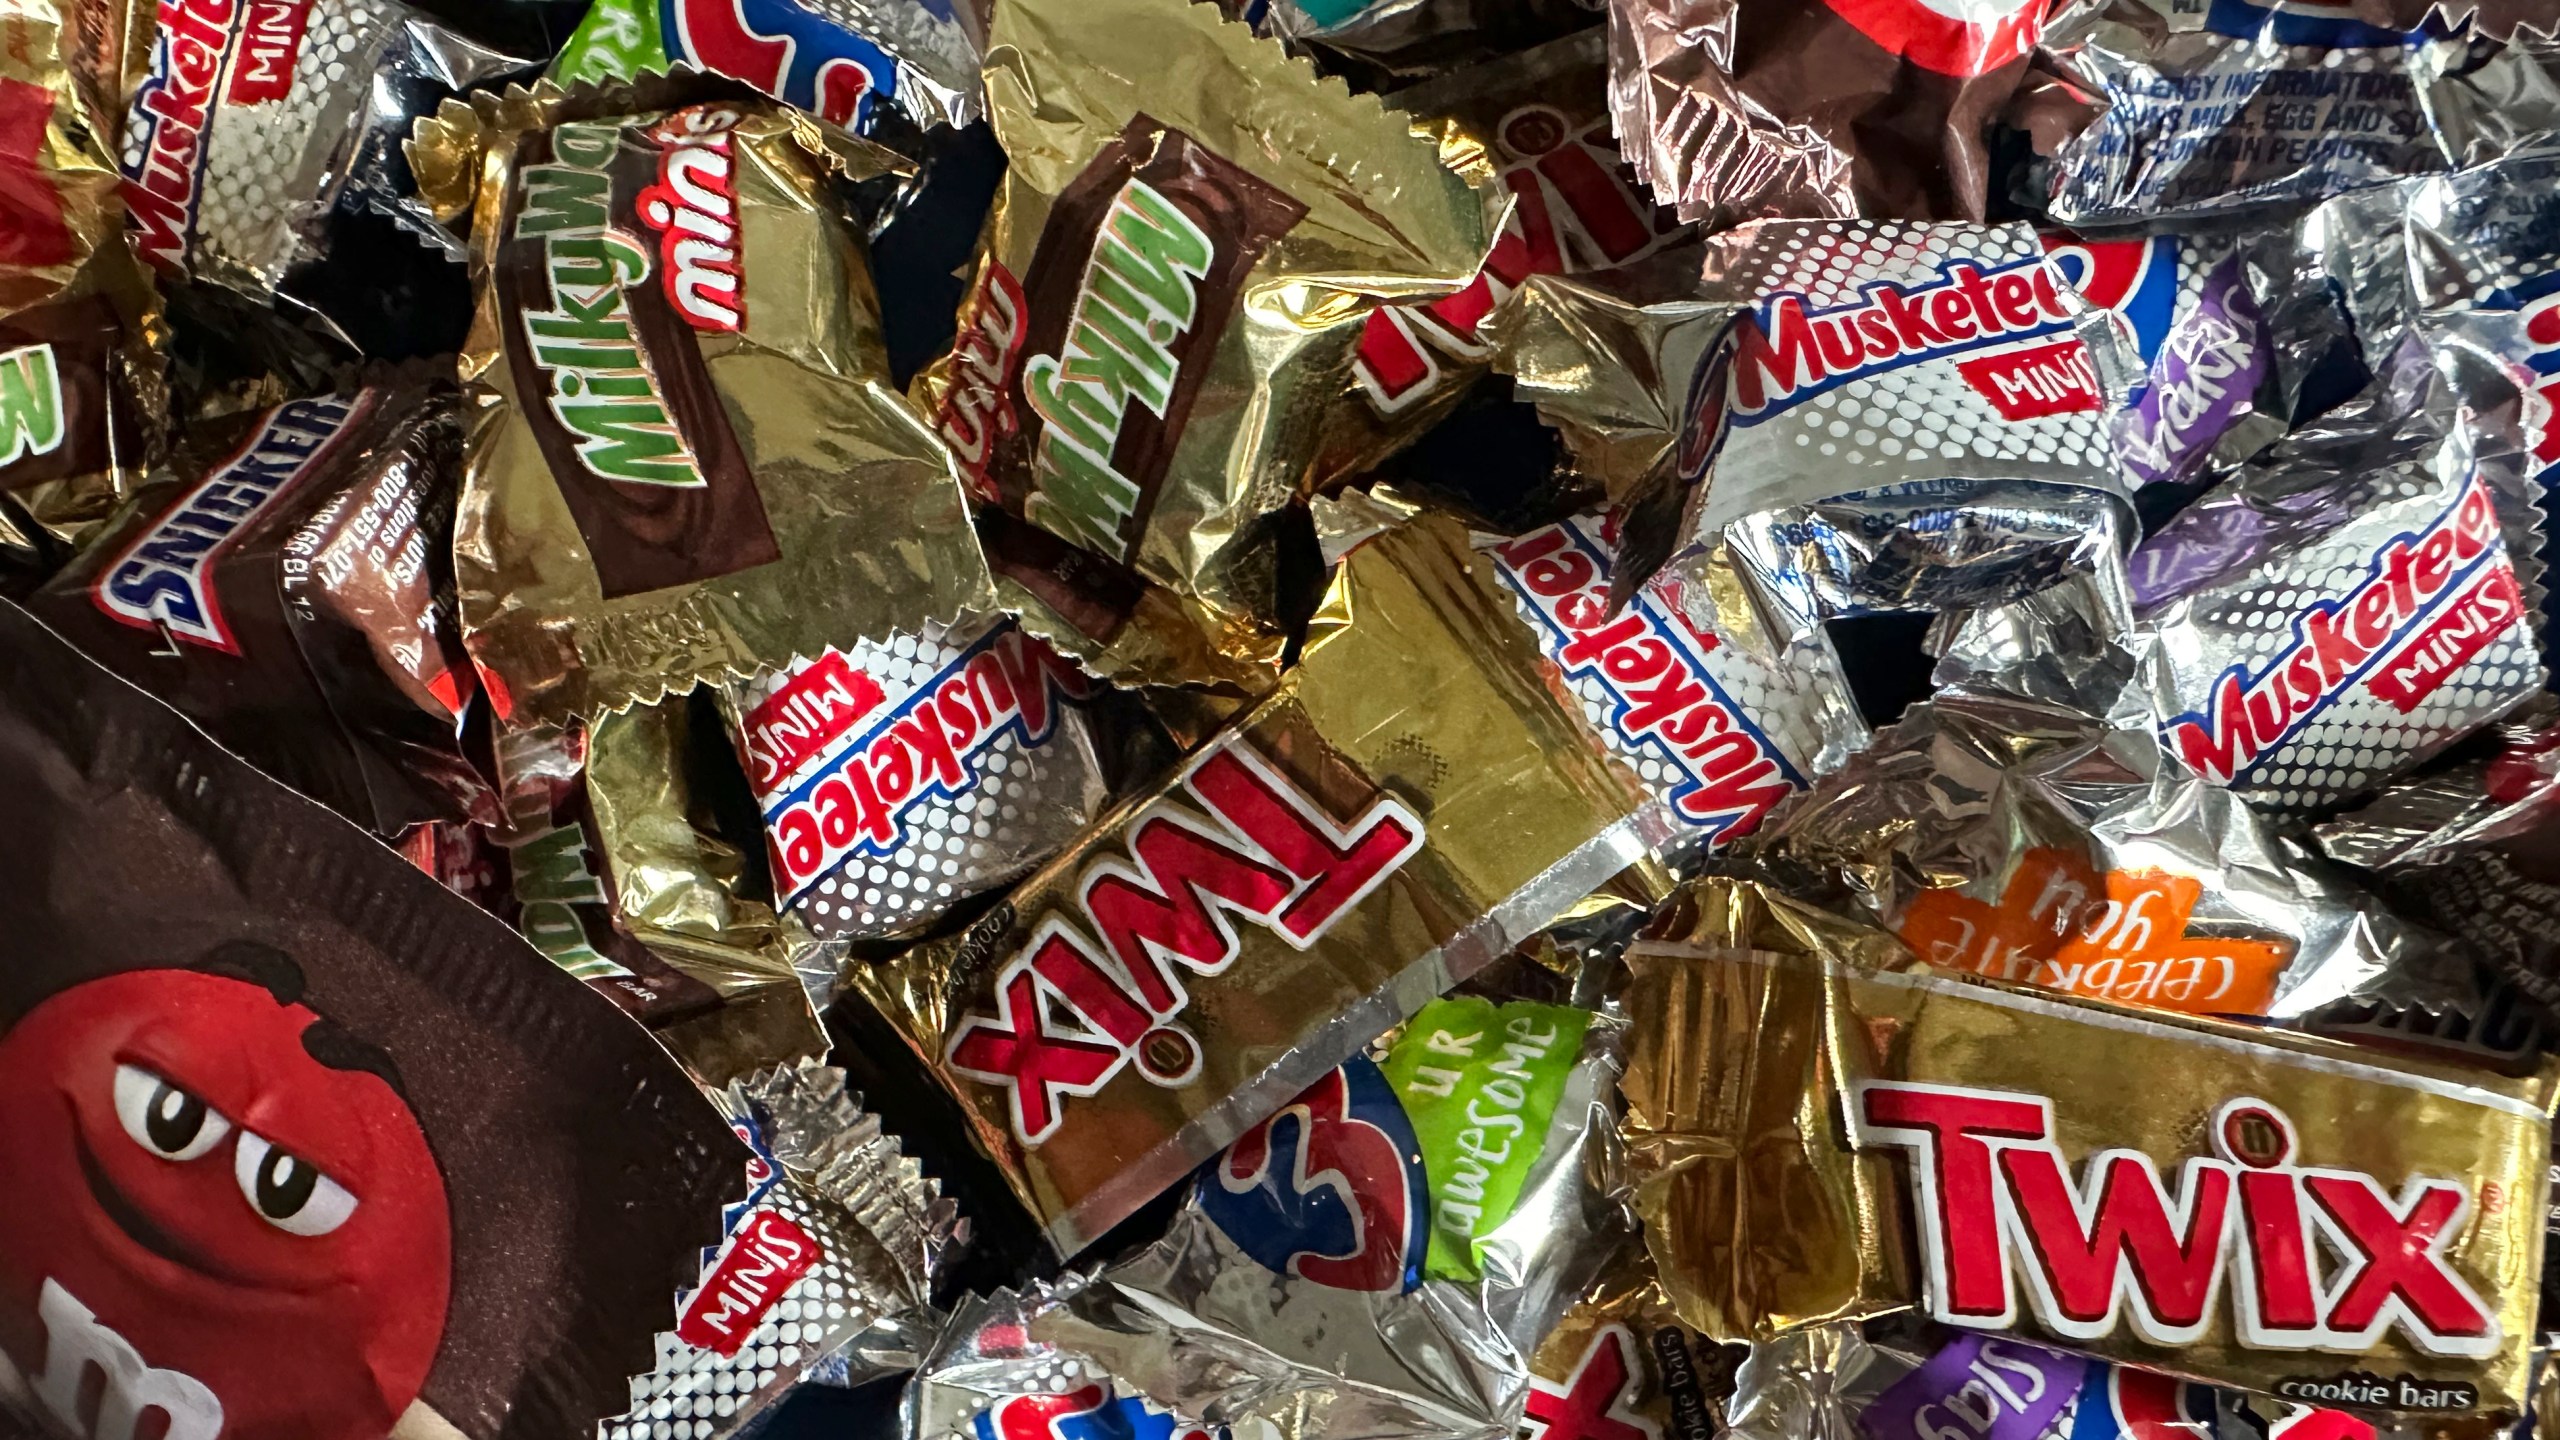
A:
x,y
1191,234
686,462
1820,1136
284,583
427,1184
1411,802
79,371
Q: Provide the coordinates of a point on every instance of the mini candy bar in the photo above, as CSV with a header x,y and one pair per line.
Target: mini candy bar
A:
x,y
299,1142
686,462
2260,1209
253,118
2256,103
78,322
613,877
915,771
840,60
1396,1221
2024,841
2470,850
1816,108
1867,354
1720,719
1620,1356
1177,274
999,1373
2352,603
1541,117
1408,804
282,582
829,1258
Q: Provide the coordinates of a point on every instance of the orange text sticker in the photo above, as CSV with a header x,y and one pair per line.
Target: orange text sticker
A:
x,y
2119,935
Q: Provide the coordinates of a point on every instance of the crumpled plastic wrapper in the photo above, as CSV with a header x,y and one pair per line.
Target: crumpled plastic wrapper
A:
x,y
2027,842
840,60
825,1270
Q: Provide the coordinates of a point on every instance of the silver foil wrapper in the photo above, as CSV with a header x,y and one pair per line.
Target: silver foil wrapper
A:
x,y
2250,103
1378,1257
905,775
1722,713
2032,843
257,117
2351,604
996,1373
826,1266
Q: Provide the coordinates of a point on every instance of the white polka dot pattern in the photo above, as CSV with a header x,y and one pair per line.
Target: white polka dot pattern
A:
x,y
1021,798
1917,416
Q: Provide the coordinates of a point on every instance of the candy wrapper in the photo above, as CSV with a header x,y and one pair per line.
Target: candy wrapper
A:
x,y
1789,1097
840,60
824,1267
617,873
1400,45
1408,804
1722,718
1540,117
2027,842
283,582
996,1374
1620,1357
2243,104
79,326
1373,1257
1819,108
2471,851
1178,271
253,121
299,1141
2350,604
912,773
686,462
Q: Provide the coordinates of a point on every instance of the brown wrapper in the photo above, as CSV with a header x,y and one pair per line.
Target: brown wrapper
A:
x,y
1822,1137
298,1141
618,877
283,583
1409,803
79,324
686,462
1189,237
1818,109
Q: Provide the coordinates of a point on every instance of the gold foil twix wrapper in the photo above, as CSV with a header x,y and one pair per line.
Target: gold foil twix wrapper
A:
x,y
687,461
1541,118
2241,1207
1409,803
1620,1356
1191,232
78,321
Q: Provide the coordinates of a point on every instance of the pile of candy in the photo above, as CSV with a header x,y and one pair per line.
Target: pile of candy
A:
x,y
1651,720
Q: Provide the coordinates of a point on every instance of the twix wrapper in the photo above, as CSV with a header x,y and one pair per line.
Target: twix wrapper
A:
x,y
2242,1207
1411,801
687,462
76,315
1542,118
1190,236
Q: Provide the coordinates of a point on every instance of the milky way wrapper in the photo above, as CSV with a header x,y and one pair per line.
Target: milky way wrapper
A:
x,y
1191,234
1410,802
2245,1207
279,1101
78,370
686,461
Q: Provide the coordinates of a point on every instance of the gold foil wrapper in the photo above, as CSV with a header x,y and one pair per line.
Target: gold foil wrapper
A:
x,y
1607,360
2241,1207
1191,232
686,461
1539,122
1622,1351
1410,802
80,325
